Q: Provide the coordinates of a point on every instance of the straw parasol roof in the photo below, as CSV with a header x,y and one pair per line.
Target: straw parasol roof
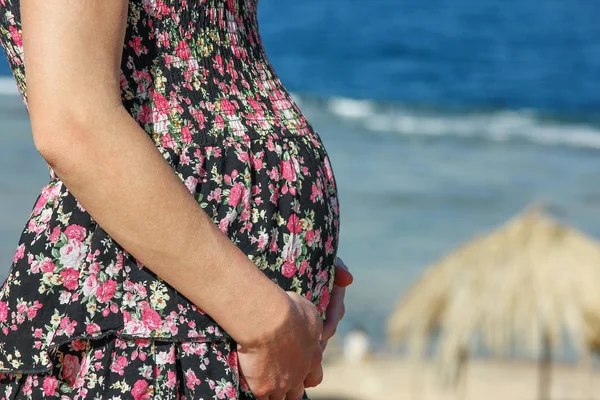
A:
x,y
523,286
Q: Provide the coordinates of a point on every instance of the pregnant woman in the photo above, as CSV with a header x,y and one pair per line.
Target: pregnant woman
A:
x,y
186,243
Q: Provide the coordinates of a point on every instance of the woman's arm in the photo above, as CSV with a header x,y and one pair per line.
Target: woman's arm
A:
x,y
73,55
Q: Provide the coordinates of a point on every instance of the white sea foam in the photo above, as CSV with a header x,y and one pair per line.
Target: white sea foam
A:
x,y
495,126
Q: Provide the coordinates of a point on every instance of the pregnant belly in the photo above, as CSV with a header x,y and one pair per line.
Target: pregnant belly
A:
x,y
275,197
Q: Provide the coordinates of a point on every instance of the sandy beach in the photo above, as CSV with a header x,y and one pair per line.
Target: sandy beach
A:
x,y
396,379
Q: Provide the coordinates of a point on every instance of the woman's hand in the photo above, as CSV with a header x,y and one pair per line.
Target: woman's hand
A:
x,y
276,366
336,309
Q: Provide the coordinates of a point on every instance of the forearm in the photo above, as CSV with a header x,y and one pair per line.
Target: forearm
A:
x,y
118,175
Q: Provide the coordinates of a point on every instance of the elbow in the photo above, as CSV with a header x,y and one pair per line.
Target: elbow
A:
x,y
61,136
54,143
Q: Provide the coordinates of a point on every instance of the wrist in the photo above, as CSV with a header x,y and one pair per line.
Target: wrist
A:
x,y
264,319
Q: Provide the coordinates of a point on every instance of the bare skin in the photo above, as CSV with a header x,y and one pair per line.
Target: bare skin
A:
x,y
73,56
334,313
336,308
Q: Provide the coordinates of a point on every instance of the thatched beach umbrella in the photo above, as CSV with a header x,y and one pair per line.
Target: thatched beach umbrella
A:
x,y
524,286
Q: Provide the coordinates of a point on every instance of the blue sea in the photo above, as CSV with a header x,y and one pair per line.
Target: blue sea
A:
x,y
443,118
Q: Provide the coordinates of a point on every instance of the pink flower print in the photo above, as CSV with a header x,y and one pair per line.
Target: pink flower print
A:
x,y
83,371
21,307
219,122
191,379
72,254
218,60
162,8
263,239
308,295
118,365
94,267
303,266
20,253
310,237
329,245
190,183
106,291
67,326
235,194
151,318
16,36
76,232
90,286
171,379
254,104
32,311
41,202
92,329
328,171
78,344
294,224
46,265
224,223
324,299
167,141
215,195
317,193
50,385
166,357
227,107
220,392
144,115
198,115
161,104
183,50
232,361
257,162
289,268
3,311
243,156
230,391
34,227
186,135
137,46
55,235
70,278
70,368
287,171
233,72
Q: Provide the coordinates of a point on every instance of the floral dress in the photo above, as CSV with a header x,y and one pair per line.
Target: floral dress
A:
x,y
82,318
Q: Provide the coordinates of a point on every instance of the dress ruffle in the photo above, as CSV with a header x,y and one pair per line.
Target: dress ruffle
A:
x,y
112,367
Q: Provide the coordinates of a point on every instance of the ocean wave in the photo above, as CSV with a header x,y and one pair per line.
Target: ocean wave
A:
x,y
490,125
388,118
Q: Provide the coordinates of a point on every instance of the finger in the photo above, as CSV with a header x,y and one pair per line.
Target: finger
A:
x,y
343,277
320,324
335,312
295,394
277,396
314,378
323,344
329,328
